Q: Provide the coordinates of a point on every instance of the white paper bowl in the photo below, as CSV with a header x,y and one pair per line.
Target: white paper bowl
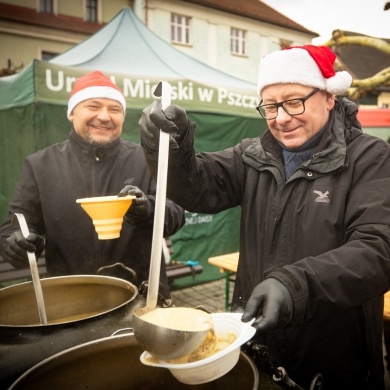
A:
x,y
214,366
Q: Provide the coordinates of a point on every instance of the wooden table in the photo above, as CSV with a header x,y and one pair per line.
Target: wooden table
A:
x,y
228,265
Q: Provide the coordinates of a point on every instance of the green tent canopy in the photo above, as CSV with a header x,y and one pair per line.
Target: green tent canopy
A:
x,y
33,107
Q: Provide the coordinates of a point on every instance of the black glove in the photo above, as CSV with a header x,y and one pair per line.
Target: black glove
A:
x,y
172,120
15,248
271,304
140,209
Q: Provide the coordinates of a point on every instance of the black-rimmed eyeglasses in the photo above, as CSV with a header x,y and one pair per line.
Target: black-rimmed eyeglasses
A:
x,y
291,106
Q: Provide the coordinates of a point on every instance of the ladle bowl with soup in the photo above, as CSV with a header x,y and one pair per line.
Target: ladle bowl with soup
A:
x,y
173,332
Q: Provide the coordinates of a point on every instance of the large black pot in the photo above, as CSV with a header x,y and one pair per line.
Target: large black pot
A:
x,y
114,363
79,309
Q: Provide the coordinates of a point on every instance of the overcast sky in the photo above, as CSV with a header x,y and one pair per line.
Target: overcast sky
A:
x,y
323,16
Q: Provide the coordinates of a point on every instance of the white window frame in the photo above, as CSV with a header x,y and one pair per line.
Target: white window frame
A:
x,y
237,41
180,29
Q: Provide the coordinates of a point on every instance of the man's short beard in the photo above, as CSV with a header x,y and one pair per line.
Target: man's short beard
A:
x,y
96,142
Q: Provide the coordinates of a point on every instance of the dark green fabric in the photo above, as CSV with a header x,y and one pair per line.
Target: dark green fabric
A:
x,y
204,236
17,140
17,90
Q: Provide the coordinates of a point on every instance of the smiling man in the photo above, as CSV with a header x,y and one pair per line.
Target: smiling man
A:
x,y
93,161
315,238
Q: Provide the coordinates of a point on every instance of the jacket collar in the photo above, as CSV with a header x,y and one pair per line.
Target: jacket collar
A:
x,y
81,147
331,152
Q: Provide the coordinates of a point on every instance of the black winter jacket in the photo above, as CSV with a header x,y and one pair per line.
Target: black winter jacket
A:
x,y
53,178
324,234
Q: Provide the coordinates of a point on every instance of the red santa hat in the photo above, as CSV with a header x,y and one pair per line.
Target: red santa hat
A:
x,y
94,85
306,65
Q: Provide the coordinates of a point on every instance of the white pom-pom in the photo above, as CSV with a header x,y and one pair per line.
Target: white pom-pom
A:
x,y
338,83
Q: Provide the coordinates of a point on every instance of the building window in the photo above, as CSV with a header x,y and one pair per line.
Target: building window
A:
x,y
91,11
237,41
46,6
180,29
48,55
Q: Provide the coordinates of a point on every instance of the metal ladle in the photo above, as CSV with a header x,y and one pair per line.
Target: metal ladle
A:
x,y
158,340
34,270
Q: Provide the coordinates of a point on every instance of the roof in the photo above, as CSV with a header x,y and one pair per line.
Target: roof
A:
x,y
253,9
362,61
29,16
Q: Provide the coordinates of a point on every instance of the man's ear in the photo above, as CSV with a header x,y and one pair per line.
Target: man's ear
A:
x,y
330,100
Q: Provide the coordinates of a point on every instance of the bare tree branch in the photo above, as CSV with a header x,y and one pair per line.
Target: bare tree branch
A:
x,y
339,38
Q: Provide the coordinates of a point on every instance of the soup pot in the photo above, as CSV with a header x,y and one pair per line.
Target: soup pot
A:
x,y
114,363
79,309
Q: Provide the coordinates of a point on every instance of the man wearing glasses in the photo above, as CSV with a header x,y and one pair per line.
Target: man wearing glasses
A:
x,y
315,237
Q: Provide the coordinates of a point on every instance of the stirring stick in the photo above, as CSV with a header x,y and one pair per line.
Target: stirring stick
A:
x,y
34,271
159,213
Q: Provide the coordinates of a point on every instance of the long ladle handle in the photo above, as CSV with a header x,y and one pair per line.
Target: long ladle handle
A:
x,y
34,271
159,213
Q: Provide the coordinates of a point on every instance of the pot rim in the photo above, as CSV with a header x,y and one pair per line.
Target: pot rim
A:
x,y
116,340
71,279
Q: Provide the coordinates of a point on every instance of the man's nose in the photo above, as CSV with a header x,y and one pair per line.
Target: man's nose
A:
x,y
103,114
283,116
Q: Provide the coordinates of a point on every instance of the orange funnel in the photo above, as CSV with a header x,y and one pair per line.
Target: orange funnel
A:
x,y
107,214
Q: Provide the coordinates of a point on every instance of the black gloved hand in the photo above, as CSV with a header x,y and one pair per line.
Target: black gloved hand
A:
x,y
15,248
271,304
140,209
172,120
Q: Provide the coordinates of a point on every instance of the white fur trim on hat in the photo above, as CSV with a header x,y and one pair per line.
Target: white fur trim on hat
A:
x,y
297,66
96,92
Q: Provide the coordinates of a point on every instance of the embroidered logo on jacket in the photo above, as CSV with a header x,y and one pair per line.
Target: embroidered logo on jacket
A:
x,y
130,180
322,196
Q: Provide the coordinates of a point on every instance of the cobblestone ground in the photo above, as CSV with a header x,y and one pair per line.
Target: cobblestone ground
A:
x,y
211,295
